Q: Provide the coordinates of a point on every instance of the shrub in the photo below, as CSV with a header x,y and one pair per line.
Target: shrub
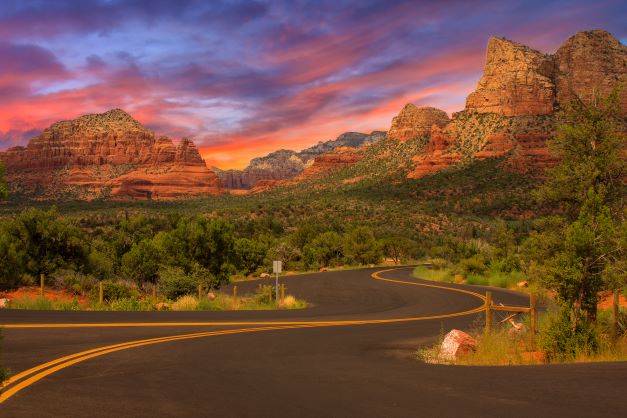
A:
x,y
561,342
474,264
174,283
265,294
112,291
38,304
185,303
438,263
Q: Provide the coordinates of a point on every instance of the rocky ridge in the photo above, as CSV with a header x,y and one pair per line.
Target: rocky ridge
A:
x,y
286,164
108,155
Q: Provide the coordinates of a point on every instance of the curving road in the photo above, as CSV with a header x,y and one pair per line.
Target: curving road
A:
x,y
350,355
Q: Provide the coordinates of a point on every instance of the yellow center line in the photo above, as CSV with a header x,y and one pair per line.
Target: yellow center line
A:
x,y
21,380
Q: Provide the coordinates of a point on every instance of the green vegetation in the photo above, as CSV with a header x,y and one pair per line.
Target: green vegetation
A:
x,y
4,187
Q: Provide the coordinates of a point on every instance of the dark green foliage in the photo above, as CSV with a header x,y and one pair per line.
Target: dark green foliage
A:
x,y
142,262
39,242
398,248
174,282
361,246
560,341
113,291
324,250
250,254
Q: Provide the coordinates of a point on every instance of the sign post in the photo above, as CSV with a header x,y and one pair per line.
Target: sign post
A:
x,y
276,269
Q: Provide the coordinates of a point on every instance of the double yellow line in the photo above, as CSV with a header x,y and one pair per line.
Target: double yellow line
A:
x,y
30,376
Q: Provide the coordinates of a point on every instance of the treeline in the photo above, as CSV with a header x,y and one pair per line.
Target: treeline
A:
x,y
165,248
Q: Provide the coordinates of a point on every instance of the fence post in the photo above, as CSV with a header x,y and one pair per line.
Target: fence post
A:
x,y
283,293
616,310
41,285
235,295
532,318
270,295
100,293
488,313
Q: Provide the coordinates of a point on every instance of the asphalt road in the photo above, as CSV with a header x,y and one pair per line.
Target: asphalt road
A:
x,y
303,363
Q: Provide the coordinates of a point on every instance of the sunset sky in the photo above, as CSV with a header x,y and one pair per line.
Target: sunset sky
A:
x,y
245,78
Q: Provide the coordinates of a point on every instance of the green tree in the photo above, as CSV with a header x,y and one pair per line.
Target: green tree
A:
x,y
576,255
361,246
325,249
398,248
208,243
42,242
250,254
142,262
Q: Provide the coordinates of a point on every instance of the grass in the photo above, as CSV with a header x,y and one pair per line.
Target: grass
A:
x,y
501,349
185,303
488,278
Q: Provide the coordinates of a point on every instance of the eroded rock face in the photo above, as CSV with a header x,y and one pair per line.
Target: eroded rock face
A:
x,y
415,122
94,155
593,59
517,80
287,164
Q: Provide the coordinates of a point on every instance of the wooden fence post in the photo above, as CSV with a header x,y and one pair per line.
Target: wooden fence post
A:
x,y
616,310
488,313
532,318
283,293
100,293
235,295
41,285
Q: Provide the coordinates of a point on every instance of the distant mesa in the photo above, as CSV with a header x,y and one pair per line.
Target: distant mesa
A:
x,y
108,155
287,164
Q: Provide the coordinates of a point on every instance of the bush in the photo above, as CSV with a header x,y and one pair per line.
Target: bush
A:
x,y
265,294
112,291
174,283
37,304
474,264
560,341
438,263
185,303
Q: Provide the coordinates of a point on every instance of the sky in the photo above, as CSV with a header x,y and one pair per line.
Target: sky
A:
x,y
244,78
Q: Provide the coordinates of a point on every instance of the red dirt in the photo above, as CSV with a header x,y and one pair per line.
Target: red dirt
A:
x,y
50,294
606,300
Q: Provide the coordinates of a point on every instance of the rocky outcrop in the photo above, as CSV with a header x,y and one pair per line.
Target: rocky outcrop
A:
x,y
415,122
108,154
516,80
287,164
511,114
587,60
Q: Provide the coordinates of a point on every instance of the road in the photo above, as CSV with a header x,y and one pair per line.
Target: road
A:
x,y
352,354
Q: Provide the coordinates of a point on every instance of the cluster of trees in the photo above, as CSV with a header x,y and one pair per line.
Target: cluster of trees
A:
x,y
178,250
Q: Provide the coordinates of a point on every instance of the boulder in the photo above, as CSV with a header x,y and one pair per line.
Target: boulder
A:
x,y
162,306
4,303
211,296
522,284
323,269
264,275
456,343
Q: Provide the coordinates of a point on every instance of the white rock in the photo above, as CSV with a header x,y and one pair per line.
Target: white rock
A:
x,y
456,343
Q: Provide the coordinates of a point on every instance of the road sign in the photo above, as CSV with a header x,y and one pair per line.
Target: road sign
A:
x,y
277,266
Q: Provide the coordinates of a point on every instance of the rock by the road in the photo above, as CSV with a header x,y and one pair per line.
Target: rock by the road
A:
x,y
456,343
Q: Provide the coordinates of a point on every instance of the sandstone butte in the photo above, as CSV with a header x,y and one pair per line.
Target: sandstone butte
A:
x,y
512,110
108,155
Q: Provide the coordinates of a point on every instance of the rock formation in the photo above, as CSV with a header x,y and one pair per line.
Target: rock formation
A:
x,y
588,60
108,154
286,164
512,111
518,80
415,122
